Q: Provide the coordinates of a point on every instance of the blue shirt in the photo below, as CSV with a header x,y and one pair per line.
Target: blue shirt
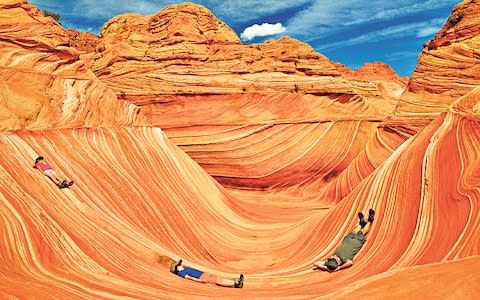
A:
x,y
191,272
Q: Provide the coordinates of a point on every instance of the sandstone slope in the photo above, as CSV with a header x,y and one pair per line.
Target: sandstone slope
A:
x,y
387,81
115,229
449,65
291,167
43,81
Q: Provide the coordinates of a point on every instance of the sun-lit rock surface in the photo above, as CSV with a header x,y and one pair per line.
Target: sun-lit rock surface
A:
x,y
83,41
183,59
112,228
449,65
43,83
387,81
259,159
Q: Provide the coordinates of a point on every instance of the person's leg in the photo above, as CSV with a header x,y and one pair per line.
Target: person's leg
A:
x,y
365,229
225,282
55,179
208,278
237,283
357,228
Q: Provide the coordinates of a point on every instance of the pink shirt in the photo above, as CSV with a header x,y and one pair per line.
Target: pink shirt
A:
x,y
44,166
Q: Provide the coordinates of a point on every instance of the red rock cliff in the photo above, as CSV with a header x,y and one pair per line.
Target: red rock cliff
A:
x,y
43,81
449,65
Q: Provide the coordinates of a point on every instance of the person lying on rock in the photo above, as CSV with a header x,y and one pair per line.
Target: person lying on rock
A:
x,y
50,173
179,269
350,246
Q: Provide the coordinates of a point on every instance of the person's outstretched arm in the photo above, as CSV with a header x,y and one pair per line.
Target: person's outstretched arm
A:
x,y
347,264
193,278
321,265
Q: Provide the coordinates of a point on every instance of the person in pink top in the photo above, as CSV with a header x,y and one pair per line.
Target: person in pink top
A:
x,y
50,173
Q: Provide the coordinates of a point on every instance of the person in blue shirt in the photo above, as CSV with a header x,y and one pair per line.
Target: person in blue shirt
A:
x,y
179,269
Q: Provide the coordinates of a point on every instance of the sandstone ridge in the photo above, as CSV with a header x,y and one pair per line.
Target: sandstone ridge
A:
x,y
449,65
61,90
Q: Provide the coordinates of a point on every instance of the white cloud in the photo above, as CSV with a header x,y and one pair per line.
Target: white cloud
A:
x,y
400,55
430,28
427,31
265,29
392,32
247,10
323,18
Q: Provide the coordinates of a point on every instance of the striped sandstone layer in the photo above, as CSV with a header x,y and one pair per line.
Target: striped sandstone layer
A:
x,y
114,229
183,59
44,83
295,167
448,66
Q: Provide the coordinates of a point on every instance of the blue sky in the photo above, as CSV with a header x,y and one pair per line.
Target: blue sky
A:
x,y
351,32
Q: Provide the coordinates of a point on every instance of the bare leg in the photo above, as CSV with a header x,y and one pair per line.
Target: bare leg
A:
x,y
366,228
55,179
357,228
226,282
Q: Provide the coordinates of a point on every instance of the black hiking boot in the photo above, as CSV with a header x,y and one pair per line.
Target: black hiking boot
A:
x,y
177,264
62,185
70,183
362,221
371,215
239,282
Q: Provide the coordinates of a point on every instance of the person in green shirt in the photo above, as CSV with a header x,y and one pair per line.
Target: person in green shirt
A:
x,y
350,246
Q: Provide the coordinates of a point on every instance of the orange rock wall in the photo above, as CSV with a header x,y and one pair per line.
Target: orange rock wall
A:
x,y
278,150
448,66
44,84
114,229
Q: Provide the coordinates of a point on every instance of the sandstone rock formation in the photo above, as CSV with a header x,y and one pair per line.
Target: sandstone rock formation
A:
x,y
387,81
85,42
449,65
183,57
160,203
258,160
43,82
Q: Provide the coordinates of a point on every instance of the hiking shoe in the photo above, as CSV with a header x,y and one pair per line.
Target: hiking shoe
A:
x,y
70,183
371,215
239,282
362,221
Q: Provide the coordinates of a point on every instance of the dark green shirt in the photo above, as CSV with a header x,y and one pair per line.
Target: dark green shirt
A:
x,y
350,246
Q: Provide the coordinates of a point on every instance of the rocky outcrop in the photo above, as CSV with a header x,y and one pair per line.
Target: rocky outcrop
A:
x,y
44,83
278,150
386,80
63,242
83,42
449,65
184,56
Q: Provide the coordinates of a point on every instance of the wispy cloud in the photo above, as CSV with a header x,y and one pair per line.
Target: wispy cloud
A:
x,y
427,31
322,18
400,55
392,32
265,29
243,11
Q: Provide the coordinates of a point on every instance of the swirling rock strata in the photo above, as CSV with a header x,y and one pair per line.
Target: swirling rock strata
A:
x,y
386,80
449,65
43,81
113,229
184,55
